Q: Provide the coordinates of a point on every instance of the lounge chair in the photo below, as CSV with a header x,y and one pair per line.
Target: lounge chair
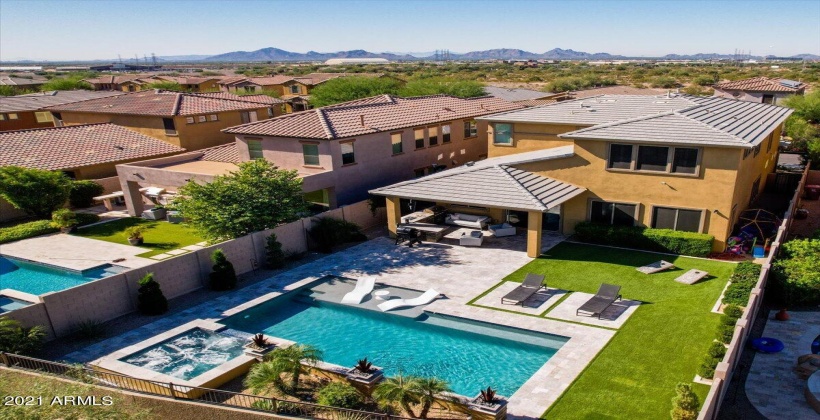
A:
x,y
656,267
530,286
363,288
423,299
596,305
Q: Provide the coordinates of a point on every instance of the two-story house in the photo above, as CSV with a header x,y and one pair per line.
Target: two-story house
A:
x,y
26,111
188,120
759,89
673,161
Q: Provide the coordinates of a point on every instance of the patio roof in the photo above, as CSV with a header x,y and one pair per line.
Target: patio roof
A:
x,y
492,182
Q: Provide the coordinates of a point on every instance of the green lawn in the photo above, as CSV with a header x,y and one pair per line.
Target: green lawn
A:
x,y
160,236
662,344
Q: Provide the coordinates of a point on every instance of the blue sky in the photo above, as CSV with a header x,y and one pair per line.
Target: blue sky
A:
x,y
81,30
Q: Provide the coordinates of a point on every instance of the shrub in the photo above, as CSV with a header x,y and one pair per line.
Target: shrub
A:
x,y
150,300
90,329
685,404
274,255
328,232
340,394
26,230
15,338
743,281
83,192
727,320
660,240
35,191
223,276
733,311
707,368
716,350
63,218
725,333
86,218
797,273
134,232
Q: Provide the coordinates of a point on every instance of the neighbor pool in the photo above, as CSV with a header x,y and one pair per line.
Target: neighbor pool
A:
x,y
469,355
8,304
189,354
37,279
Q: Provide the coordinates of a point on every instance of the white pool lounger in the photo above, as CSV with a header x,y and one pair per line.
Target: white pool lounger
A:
x,y
363,288
424,299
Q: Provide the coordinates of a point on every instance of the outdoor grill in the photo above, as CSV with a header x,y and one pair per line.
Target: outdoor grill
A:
x,y
409,235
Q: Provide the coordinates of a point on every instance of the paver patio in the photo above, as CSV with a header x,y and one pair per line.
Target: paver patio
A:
x,y
74,252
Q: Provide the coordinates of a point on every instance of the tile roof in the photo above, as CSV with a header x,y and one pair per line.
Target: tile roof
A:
x,y
115,79
373,115
257,99
537,102
35,101
515,95
76,146
184,80
21,81
228,153
229,80
157,103
760,84
495,182
707,121
617,90
307,79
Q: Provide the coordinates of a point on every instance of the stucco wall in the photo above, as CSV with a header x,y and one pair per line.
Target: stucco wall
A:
x,y
32,315
24,121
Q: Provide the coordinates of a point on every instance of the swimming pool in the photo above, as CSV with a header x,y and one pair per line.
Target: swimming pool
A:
x,y
37,279
8,304
470,355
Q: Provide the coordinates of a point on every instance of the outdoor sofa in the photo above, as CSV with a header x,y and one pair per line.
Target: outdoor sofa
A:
x,y
530,286
607,295
467,220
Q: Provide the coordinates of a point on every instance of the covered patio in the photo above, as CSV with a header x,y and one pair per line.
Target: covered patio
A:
x,y
493,188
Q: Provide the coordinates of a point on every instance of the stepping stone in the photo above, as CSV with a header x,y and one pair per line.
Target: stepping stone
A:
x,y
192,247
161,256
177,251
691,277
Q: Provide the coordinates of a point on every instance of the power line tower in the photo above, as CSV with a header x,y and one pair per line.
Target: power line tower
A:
x,y
153,60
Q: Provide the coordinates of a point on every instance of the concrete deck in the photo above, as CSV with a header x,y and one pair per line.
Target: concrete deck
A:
x,y
74,252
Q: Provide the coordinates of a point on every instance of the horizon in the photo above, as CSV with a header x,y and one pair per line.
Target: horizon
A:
x,y
625,28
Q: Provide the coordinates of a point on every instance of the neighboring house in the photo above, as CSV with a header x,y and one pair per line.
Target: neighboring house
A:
x,y
87,151
129,83
189,120
525,97
190,84
22,112
760,89
341,151
674,161
22,83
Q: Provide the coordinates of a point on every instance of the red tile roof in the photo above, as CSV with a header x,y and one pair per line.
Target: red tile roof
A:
x,y
35,101
759,84
157,103
77,146
257,99
227,153
374,115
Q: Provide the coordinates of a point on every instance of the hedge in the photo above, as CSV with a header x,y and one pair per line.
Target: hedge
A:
x,y
83,193
659,240
39,227
743,281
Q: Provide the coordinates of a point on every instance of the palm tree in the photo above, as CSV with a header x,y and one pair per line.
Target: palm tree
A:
x,y
399,389
288,360
427,388
263,377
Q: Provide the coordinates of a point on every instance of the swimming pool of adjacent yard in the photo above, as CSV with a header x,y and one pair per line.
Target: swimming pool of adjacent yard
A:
x,y
37,279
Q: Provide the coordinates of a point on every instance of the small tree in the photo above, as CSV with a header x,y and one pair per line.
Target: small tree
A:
x,y
428,388
435,86
274,255
150,300
685,403
343,89
35,191
14,338
63,219
399,389
282,361
223,276
83,192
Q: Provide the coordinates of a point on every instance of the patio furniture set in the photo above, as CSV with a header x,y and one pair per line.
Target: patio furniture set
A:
x,y
596,305
416,226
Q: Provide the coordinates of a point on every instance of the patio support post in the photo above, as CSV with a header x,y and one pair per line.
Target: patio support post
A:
x,y
534,228
393,214
132,197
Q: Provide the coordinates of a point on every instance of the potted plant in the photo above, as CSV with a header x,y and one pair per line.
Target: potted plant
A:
x,y
158,212
65,220
259,346
488,403
134,234
365,372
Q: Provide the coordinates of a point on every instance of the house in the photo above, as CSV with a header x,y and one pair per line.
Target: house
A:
x,y
127,83
88,151
21,83
674,161
525,97
188,120
340,151
189,84
22,112
760,89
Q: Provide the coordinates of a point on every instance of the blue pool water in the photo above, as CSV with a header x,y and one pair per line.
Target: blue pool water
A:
x,y
469,355
38,279
189,354
9,304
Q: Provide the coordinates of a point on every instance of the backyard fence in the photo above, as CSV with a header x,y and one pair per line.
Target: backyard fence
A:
x,y
62,312
170,390
726,368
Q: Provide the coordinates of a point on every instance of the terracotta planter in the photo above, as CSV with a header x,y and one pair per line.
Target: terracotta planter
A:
x,y
135,241
782,315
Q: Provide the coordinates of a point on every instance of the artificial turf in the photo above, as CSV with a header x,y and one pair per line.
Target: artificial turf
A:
x,y
159,236
663,343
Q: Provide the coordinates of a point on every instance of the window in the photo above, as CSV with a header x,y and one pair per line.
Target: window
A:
x,y
2,117
652,158
620,156
311,154
676,219
246,117
201,118
618,214
769,144
502,134
768,99
255,149
348,157
43,117
470,129
755,191
419,138
294,89
213,117
432,132
685,161
58,119
757,150
170,128
746,153
189,120
395,138
12,116
445,133
270,112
